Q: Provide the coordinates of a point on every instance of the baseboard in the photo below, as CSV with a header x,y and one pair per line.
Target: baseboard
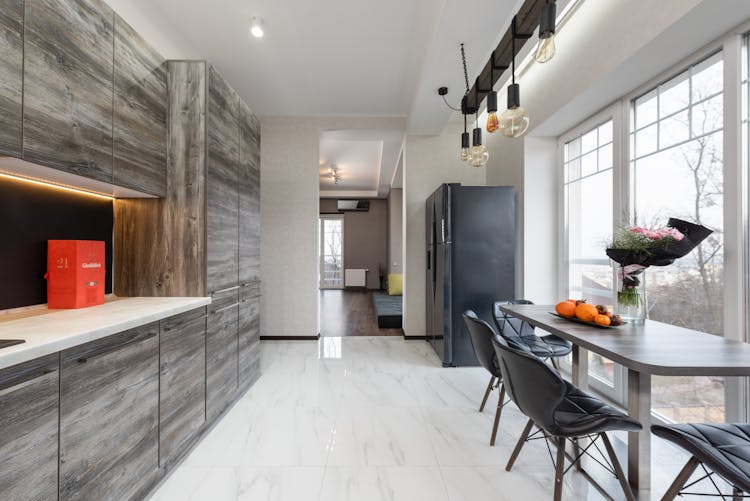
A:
x,y
290,338
409,338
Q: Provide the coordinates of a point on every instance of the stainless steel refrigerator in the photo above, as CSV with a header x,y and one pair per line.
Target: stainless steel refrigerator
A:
x,y
471,258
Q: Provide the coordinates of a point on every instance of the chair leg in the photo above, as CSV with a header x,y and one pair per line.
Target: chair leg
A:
x,y
736,494
618,468
682,477
487,393
559,468
576,453
499,411
519,445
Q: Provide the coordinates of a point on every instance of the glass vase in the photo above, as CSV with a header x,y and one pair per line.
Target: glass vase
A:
x,y
632,305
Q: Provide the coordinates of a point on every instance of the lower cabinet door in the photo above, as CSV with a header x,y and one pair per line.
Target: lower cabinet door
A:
x,y
28,420
182,383
249,336
109,416
221,353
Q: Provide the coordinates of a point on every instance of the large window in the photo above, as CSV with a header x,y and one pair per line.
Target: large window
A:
x,y
588,165
677,168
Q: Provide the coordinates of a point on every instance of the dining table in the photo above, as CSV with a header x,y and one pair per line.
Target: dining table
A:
x,y
647,349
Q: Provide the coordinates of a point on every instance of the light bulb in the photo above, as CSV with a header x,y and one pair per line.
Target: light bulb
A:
x,y
256,27
479,156
465,154
492,122
514,122
546,49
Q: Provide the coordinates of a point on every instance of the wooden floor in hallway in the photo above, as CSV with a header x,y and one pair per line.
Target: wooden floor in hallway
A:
x,y
350,313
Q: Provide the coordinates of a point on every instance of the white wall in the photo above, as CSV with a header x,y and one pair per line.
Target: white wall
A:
x,y
289,227
429,161
395,230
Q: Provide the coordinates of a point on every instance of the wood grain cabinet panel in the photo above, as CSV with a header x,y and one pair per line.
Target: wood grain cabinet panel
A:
x,y
11,83
28,420
249,196
140,113
109,417
182,383
222,178
221,353
249,336
68,53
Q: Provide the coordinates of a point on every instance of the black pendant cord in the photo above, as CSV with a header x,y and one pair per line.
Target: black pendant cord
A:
x,y
513,52
466,73
465,124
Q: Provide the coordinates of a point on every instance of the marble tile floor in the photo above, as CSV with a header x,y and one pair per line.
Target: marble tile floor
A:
x,y
375,418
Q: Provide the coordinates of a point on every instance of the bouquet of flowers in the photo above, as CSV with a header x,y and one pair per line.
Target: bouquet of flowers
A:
x,y
636,248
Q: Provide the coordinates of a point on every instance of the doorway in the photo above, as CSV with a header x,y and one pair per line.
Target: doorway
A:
x,y
331,252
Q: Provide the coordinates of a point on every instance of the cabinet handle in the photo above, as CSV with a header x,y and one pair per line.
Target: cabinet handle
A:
x,y
225,307
106,351
27,382
221,291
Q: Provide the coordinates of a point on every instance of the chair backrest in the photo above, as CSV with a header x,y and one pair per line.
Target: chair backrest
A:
x,y
512,329
481,334
536,388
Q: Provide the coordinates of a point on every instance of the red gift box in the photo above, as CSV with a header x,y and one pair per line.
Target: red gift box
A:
x,y
75,273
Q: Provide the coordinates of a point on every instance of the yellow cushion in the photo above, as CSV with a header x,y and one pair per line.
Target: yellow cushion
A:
x,y
395,284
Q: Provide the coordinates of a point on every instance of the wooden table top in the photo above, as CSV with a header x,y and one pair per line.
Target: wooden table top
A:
x,y
654,348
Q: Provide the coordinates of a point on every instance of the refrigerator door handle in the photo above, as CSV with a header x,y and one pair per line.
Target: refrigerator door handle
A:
x,y
429,259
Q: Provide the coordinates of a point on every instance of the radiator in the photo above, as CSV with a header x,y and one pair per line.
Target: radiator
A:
x,y
355,277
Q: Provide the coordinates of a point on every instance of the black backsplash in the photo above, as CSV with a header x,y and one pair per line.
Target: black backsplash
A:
x,y
29,216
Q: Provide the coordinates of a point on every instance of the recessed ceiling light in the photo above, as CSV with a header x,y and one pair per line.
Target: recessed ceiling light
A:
x,y
256,27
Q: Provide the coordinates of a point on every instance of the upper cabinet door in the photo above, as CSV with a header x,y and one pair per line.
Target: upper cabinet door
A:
x,y
222,192
68,53
140,113
11,69
249,187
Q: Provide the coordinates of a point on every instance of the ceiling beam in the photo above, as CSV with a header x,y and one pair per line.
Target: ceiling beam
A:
x,y
527,21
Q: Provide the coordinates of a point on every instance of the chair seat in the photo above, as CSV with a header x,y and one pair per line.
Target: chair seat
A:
x,y
548,346
581,414
724,448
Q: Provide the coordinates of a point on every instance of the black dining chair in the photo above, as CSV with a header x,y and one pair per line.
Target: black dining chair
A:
x,y
481,334
561,412
521,335
721,449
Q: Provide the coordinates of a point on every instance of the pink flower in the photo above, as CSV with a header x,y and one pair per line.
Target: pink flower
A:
x,y
672,233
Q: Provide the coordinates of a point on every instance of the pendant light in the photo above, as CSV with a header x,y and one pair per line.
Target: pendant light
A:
x,y
513,121
465,151
545,50
479,154
492,122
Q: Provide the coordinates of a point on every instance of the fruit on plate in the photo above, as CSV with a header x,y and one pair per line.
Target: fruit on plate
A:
x,y
586,312
602,320
616,320
566,308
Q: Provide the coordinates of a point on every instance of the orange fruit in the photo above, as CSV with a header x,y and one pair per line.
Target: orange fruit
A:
x,y
566,308
602,320
586,312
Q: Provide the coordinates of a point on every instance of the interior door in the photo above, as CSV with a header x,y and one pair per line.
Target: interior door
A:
x,y
332,252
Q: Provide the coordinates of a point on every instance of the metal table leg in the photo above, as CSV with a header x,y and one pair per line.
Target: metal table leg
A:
x,y
580,369
639,443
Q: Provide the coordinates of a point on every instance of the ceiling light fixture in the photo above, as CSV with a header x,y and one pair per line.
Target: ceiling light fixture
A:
x,y
513,121
479,154
492,122
545,50
256,27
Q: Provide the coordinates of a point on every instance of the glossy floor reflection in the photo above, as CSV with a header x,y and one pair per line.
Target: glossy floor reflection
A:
x,y
374,418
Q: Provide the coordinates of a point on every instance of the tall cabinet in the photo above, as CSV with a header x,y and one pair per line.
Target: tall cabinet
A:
x,y
203,238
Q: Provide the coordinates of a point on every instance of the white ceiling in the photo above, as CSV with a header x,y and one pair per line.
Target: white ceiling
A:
x,y
365,158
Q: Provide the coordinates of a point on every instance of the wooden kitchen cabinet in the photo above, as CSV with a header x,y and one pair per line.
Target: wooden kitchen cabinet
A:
x,y
140,113
222,207
67,93
182,384
249,335
109,417
28,420
222,353
11,83
249,196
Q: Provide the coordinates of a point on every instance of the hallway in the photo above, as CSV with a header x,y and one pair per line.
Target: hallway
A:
x,y
349,313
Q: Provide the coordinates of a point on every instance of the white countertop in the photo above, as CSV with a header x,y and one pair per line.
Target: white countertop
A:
x,y
48,331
